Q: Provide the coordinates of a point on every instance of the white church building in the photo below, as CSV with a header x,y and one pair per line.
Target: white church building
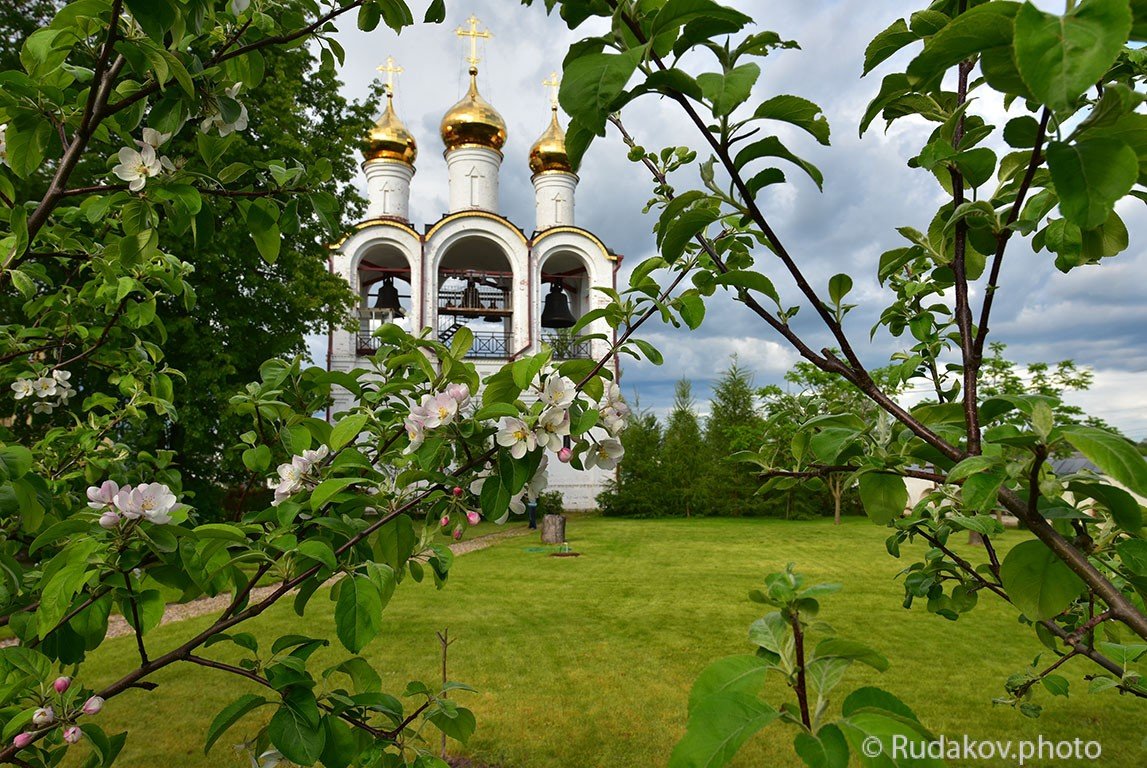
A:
x,y
474,267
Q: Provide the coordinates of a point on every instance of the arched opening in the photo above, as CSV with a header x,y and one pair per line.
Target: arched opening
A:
x,y
475,290
385,294
563,298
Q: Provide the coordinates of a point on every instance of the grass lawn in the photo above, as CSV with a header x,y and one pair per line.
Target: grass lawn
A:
x,y
588,661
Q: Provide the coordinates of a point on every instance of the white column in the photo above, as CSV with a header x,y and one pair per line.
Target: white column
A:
x,y
388,188
473,178
554,199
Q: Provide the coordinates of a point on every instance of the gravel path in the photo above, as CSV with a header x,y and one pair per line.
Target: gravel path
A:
x,y
117,627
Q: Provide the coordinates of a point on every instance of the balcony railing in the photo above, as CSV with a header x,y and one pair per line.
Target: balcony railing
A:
x,y
490,345
567,347
484,301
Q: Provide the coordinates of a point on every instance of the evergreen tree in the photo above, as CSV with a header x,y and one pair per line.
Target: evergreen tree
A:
x,y
734,424
639,489
684,458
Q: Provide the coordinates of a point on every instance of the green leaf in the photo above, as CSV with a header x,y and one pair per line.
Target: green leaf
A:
x,y
1122,505
888,42
728,90
651,352
675,13
985,524
718,728
261,220
347,430
827,749
328,488
591,84
230,715
678,232
296,727
753,281
884,496
744,673
435,12
1056,685
980,491
771,146
26,141
458,724
800,112
1090,177
1060,57
1133,553
982,28
692,309
835,647
1038,582
1114,455
838,287
319,551
358,612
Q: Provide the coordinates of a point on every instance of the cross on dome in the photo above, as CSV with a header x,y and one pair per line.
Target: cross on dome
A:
x,y
390,69
474,36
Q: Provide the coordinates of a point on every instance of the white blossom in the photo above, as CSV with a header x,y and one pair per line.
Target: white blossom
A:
x,y
239,6
137,167
23,388
44,716
605,454
109,519
153,138
313,457
45,386
215,119
153,502
416,432
515,435
289,483
460,393
539,481
44,406
614,418
553,426
559,391
103,495
440,410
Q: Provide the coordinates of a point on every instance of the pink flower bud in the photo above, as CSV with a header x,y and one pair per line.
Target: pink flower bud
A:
x,y
22,740
445,521
44,716
62,684
72,734
109,519
457,533
565,454
93,705
457,491
473,517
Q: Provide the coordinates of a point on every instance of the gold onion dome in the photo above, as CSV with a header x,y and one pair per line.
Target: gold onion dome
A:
x,y
473,122
549,151
389,139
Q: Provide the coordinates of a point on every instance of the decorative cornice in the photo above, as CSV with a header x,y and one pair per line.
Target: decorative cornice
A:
x,y
474,214
576,231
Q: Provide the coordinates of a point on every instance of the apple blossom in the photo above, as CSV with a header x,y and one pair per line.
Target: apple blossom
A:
x,y
216,120
460,393
137,167
473,517
239,6
151,501
559,391
44,716
565,454
290,482
43,406
45,386
605,454
72,734
103,495
62,684
23,740
93,705
553,426
153,138
416,432
313,457
515,435
440,410
457,533
23,388
109,519
457,491
539,481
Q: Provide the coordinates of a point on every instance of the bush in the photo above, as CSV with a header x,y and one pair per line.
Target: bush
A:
x,y
551,503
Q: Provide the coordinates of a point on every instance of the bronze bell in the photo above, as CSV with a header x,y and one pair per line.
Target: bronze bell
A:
x,y
387,298
556,311
470,297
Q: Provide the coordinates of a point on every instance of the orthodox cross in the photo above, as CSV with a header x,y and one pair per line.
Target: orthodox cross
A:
x,y
554,83
558,200
391,70
474,175
473,34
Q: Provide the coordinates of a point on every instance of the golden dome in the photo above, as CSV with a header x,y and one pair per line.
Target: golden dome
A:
x,y
549,151
472,121
389,139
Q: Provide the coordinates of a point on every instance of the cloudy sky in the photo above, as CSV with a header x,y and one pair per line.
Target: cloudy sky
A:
x,y
1095,315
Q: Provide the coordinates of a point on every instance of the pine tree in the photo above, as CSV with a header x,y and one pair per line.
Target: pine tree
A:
x,y
734,424
684,458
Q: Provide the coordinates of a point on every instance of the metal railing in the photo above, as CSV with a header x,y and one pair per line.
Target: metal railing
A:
x,y
490,345
567,347
476,301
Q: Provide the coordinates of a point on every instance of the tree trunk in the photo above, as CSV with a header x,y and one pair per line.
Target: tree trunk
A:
x,y
836,494
554,529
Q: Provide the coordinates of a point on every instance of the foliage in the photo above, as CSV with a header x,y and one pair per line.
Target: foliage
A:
x,y
726,709
1072,148
551,503
118,137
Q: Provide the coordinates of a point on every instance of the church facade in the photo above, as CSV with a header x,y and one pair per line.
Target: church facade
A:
x,y
473,267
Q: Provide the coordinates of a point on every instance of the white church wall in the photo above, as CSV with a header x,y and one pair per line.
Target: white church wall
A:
x,y
473,173
388,188
554,199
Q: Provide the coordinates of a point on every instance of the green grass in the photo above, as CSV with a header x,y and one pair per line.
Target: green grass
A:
x,y
588,661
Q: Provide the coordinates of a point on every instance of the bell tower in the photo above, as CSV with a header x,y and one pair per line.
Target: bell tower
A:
x,y
390,153
554,180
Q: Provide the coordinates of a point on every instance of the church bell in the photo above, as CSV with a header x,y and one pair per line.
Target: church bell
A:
x,y
556,311
387,299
